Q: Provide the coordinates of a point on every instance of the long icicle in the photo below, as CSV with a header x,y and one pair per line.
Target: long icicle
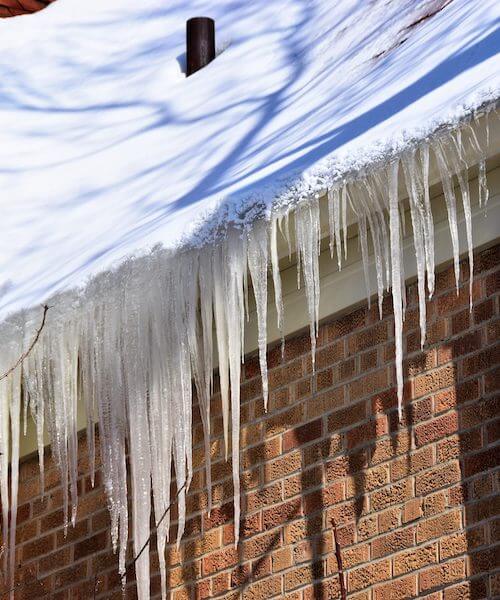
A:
x,y
394,225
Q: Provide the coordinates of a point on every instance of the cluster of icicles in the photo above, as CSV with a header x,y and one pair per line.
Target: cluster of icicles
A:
x,y
130,346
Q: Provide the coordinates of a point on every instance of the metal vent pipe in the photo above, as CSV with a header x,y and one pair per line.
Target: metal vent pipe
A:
x,y
200,43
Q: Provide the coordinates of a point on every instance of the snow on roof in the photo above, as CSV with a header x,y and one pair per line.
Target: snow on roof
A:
x,y
107,149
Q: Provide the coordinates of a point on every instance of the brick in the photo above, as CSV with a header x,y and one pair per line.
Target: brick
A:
x,y
222,559
368,384
436,429
412,463
459,394
54,561
401,589
392,494
460,543
366,433
261,544
367,480
70,575
456,446
485,560
347,416
367,338
282,559
280,514
482,461
482,361
400,491
432,382
322,450
38,547
388,448
303,575
267,588
363,577
389,520
367,527
302,435
324,402
282,467
437,478
302,482
469,590
329,355
91,545
440,575
393,542
265,497
351,557
435,504
438,526
412,510
415,559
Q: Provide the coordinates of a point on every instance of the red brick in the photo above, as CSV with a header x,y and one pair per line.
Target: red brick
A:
x,y
441,575
434,381
280,514
302,435
401,589
438,526
347,416
366,576
217,561
439,477
393,542
415,559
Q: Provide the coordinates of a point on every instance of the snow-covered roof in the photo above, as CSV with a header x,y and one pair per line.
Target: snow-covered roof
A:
x,y
107,149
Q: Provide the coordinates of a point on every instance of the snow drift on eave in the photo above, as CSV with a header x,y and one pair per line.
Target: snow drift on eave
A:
x,y
131,342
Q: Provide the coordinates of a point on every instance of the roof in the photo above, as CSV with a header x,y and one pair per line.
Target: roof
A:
x,y
109,150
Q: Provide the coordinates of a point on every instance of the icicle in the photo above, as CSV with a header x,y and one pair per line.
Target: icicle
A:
x,y
206,307
235,266
15,413
394,225
257,263
135,367
376,224
331,220
307,232
483,184
449,196
222,336
363,238
428,228
278,300
4,466
344,197
379,239
338,241
457,161
417,213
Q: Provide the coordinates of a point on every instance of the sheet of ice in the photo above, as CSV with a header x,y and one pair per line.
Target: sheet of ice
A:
x,y
107,149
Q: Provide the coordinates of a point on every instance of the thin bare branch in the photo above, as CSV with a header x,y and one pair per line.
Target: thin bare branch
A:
x,y
338,555
24,355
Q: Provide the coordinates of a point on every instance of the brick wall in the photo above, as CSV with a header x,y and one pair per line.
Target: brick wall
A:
x,y
415,503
